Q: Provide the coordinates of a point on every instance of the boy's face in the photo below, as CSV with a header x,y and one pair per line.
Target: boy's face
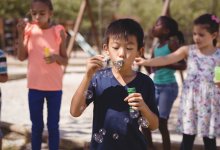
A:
x,y
119,48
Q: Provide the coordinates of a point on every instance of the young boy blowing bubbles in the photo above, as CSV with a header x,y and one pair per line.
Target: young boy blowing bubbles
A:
x,y
113,128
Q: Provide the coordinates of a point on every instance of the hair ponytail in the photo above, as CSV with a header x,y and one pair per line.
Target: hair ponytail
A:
x,y
180,37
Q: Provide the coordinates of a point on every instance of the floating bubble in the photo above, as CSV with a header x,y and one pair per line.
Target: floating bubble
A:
x,y
98,137
126,119
118,64
94,84
102,131
115,136
105,62
88,94
143,122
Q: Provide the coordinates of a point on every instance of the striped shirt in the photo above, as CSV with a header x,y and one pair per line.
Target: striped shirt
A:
x,y
3,62
3,70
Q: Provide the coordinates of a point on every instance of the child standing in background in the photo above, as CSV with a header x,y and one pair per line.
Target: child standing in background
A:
x,y
166,86
44,44
123,43
3,78
199,102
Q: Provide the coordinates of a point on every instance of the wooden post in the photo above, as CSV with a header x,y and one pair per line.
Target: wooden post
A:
x,y
165,11
214,6
89,11
76,27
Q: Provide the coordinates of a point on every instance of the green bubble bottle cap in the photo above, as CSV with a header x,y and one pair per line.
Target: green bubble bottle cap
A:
x,y
131,90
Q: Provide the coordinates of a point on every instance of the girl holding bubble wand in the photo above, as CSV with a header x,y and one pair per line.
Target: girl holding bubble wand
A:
x,y
199,102
113,128
44,45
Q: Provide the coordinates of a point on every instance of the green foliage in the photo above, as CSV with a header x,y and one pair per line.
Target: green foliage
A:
x,y
13,8
145,11
104,11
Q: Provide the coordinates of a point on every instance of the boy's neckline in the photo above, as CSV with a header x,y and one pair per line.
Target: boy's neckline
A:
x,y
124,80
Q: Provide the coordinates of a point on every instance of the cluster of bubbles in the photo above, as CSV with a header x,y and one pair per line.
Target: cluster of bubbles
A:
x,y
99,137
141,121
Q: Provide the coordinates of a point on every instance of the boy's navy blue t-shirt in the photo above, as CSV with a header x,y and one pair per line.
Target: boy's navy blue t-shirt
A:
x,y
111,112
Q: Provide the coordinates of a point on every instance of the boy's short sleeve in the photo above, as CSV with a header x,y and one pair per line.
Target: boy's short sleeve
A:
x,y
148,91
3,63
152,102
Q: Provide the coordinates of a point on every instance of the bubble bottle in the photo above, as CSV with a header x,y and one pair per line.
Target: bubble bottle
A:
x,y
133,113
217,73
46,52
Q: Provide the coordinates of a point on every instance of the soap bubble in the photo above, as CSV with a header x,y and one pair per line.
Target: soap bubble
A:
x,y
94,84
102,131
98,137
115,136
143,122
105,62
126,119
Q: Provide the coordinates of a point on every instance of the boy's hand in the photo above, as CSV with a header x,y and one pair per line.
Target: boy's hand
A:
x,y
135,100
93,64
21,26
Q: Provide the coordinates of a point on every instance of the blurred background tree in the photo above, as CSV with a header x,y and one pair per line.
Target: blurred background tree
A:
x,y
104,11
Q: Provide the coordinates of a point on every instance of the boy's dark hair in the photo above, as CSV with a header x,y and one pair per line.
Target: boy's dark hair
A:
x,y
173,27
124,28
46,2
210,22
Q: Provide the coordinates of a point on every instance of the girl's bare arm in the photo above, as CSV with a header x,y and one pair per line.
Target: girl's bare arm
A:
x,y
62,59
174,57
22,53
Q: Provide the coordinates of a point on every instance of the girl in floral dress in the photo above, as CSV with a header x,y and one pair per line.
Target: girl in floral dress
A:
x,y
199,112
